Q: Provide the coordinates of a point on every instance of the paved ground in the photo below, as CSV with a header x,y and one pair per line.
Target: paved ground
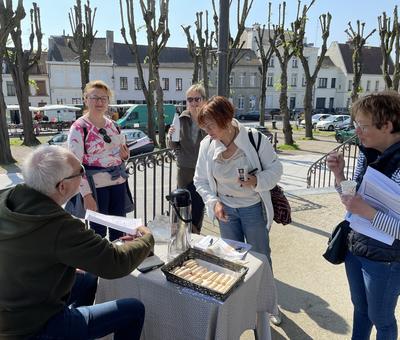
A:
x,y
313,294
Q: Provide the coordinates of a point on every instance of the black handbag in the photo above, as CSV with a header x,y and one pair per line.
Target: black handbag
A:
x,y
337,243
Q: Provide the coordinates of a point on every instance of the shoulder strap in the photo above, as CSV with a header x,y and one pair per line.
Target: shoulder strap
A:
x,y
85,133
257,147
117,127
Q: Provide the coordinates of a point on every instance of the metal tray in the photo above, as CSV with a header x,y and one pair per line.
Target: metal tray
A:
x,y
239,270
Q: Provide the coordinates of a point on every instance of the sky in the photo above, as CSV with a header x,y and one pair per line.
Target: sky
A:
x,y
54,17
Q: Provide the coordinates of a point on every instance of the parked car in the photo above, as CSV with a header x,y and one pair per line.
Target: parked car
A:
x,y
59,139
138,142
315,119
331,122
253,115
341,135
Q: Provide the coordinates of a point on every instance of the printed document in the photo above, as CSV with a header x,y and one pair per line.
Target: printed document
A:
x,y
124,224
383,194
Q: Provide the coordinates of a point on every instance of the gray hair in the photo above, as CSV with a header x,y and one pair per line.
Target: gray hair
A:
x,y
199,88
45,167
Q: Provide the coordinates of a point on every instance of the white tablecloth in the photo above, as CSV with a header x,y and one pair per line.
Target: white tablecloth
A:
x,y
177,313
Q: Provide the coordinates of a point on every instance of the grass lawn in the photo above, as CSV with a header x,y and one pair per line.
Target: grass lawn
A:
x,y
15,141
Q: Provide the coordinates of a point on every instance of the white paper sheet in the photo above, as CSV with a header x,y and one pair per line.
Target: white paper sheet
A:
x,y
227,249
383,194
124,224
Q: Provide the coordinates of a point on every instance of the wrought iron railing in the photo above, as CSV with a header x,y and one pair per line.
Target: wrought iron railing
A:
x,y
319,175
152,177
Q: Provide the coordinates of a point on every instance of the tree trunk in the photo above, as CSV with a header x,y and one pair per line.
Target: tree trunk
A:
x,y
204,71
287,129
150,106
22,91
263,93
308,109
85,70
5,153
160,110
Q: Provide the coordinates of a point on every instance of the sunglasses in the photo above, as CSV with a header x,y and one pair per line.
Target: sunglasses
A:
x,y
106,137
81,173
196,99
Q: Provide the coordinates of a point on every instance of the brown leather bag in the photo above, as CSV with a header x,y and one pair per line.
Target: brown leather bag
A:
x,y
282,210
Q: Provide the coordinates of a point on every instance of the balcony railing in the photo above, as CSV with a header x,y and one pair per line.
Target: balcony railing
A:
x,y
152,177
319,175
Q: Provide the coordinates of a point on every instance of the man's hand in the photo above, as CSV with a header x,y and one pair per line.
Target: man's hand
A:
x,y
220,212
356,205
89,202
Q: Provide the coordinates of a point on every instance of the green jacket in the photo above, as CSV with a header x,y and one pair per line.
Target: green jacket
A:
x,y
40,247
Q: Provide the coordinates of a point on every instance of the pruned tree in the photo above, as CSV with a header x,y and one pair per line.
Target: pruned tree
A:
x,y
299,28
265,54
192,49
200,51
389,34
157,37
82,37
20,62
235,53
9,20
283,43
357,42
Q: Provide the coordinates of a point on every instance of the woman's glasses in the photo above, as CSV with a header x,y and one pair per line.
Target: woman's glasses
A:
x,y
362,127
106,137
196,99
96,99
81,173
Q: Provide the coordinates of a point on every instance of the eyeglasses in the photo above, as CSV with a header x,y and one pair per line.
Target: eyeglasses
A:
x,y
106,137
81,173
362,127
103,99
196,99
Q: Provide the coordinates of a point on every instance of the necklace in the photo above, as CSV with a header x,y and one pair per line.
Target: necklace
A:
x,y
233,138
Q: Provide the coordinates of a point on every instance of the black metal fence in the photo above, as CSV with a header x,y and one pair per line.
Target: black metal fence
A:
x,y
152,177
319,175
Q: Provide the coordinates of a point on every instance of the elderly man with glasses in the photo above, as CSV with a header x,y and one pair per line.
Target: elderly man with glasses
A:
x,y
43,295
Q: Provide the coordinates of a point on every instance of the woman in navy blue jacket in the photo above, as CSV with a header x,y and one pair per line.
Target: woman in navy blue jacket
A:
x,y
373,267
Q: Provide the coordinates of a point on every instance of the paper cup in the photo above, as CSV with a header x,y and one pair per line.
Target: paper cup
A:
x,y
348,187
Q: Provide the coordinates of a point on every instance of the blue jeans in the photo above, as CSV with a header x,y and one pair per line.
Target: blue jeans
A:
x,y
123,317
247,224
110,201
374,289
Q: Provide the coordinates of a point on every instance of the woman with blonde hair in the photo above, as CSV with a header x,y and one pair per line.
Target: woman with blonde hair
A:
x,y
98,144
190,136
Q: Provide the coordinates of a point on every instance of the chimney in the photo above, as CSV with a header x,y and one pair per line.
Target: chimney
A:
x,y
110,44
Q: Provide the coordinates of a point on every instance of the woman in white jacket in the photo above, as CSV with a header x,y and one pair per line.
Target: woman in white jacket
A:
x,y
238,205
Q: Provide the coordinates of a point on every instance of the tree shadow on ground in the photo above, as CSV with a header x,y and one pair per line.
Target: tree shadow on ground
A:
x,y
296,300
310,229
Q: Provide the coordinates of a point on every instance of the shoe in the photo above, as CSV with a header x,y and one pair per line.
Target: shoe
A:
x,y
275,319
